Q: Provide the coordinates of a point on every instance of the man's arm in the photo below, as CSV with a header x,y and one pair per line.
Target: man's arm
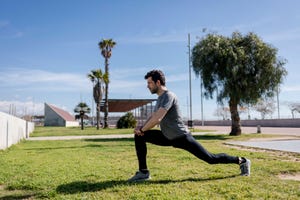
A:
x,y
152,121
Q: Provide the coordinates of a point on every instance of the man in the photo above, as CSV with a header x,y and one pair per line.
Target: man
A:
x,y
173,131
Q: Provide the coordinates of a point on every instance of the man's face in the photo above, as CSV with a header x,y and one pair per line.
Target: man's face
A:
x,y
152,86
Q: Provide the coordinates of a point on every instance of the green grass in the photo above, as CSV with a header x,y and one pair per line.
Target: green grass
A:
x,y
99,168
66,131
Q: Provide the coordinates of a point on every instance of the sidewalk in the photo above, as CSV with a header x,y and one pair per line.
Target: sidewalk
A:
x,y
288,138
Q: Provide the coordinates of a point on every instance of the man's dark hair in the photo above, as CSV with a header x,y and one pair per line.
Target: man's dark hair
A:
x,y
156,75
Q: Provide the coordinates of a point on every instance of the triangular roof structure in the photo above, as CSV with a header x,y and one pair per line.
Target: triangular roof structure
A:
x,y
55,116
64,114
125,105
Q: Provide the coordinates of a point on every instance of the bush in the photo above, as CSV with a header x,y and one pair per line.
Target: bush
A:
x,y
127,121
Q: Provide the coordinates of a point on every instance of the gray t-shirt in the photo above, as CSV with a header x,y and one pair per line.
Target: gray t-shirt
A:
x,y
171,125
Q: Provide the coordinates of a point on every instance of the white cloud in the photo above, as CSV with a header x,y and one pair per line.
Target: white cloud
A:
x,y
295,88
4,23
8,31
284,35
19,108
177,77
21,78
155,38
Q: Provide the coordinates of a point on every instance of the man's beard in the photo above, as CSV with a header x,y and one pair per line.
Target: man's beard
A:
x,y
154,90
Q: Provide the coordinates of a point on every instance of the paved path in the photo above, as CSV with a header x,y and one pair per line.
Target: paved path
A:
x,y
288,138
279,145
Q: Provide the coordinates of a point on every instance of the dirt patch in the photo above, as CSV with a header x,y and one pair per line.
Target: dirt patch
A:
x,y
2,187
295,177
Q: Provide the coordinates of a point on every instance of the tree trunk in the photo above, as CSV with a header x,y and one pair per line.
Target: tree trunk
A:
x,y
81,117
106,97
106,107
98,116
235,119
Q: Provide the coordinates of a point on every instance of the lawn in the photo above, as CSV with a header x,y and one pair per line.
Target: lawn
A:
x,y
65,131
99,168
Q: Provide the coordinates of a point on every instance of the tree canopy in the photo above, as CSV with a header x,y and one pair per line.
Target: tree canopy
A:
x,y
242,69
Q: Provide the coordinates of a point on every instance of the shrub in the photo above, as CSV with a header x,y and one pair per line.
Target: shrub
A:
x,y
127,121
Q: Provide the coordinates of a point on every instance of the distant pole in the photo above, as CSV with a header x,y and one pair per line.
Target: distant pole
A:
x,y
278,103
201,85
190,77
187,107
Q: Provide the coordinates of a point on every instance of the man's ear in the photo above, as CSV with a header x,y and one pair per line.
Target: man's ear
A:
x,y
158,82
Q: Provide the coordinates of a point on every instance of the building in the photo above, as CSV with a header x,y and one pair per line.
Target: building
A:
x,y
55,116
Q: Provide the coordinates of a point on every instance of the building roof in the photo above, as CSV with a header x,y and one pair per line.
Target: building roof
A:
x,y
64,114
125,105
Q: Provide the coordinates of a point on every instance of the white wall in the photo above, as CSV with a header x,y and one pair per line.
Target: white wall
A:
x,y
13,129
72,124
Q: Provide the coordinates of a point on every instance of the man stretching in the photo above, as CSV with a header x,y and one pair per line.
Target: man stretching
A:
x,y
173,131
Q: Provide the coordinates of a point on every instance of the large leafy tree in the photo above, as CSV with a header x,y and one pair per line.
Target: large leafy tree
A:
x,y
82,108
242,69
106,46
98,79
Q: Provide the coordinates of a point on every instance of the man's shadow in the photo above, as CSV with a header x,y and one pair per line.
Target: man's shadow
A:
x,y
85,186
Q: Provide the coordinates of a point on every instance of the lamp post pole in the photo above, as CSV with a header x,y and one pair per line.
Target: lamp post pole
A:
x,y
201,85
190,81
278,109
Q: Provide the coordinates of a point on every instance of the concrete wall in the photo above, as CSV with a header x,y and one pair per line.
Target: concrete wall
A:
x,y
263,122
13,129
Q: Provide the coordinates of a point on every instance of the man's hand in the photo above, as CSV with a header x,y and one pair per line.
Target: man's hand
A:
x,y
138,131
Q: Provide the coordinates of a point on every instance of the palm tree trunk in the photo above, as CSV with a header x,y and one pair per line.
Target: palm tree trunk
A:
x,y
106,107
98,116
81,117
235,119
106,96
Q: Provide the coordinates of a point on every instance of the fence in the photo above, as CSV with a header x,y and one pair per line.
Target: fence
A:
x,y
13,129
294,123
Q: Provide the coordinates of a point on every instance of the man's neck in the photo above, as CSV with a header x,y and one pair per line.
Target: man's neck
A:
x,y
161,90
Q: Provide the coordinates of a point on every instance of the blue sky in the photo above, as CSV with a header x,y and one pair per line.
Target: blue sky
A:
x,y
47,47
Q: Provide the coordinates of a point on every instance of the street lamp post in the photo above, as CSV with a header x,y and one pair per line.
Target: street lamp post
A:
x,y
278,109
190,122
201,86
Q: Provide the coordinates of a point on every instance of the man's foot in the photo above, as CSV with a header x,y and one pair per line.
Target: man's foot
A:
x,y
140,176
245,167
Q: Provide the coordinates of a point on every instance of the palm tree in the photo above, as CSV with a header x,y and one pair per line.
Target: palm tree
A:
x,y
98,78
82,108
106,47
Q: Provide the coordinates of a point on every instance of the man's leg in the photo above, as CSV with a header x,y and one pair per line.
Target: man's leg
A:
x,y
190,144
151,136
